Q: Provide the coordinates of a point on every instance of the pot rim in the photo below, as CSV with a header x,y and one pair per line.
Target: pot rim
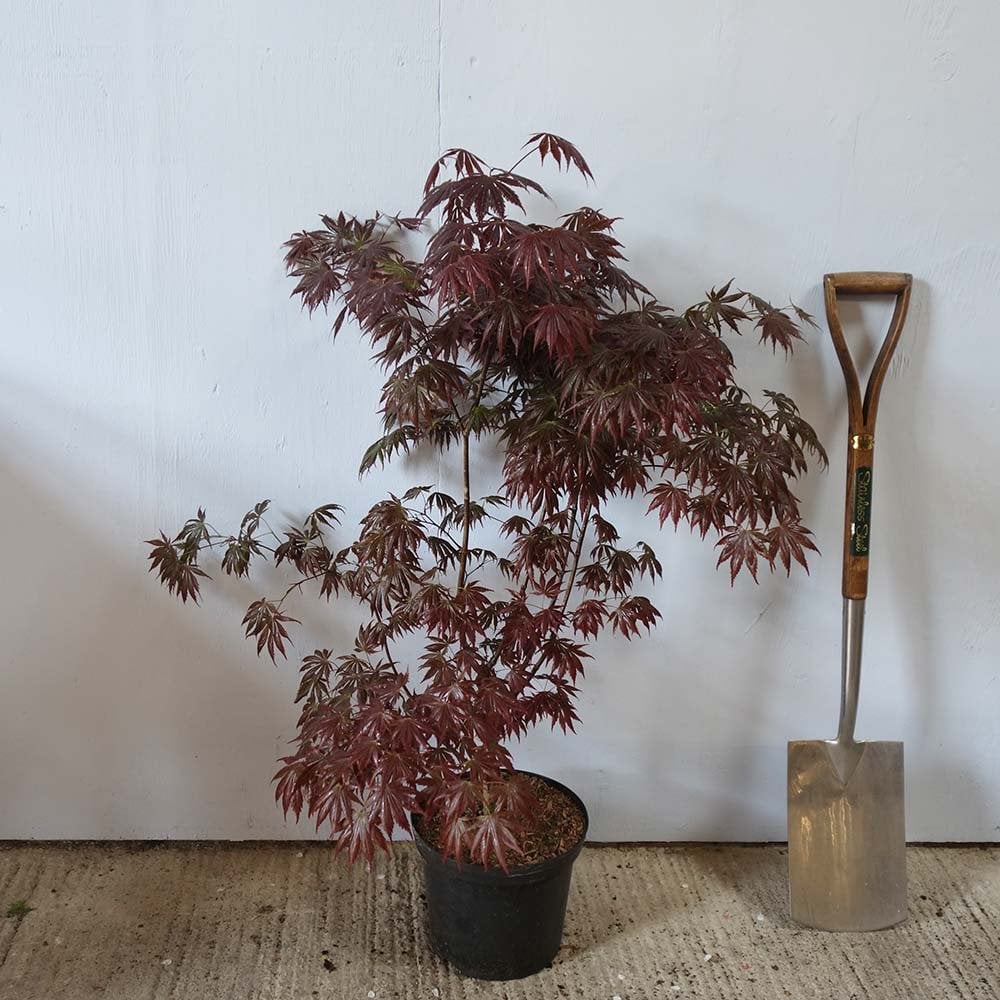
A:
x,y
476,873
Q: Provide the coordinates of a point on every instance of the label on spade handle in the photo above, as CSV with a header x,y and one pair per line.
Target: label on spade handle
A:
x,y
862,514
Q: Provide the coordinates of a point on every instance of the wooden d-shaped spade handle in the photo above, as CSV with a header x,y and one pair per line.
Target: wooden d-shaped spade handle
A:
x,y
861,412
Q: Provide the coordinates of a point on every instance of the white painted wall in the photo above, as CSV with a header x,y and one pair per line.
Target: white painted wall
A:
x,y
152,158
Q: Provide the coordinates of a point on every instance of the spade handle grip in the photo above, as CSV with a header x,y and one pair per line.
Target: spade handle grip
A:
x,y
862,410
869,282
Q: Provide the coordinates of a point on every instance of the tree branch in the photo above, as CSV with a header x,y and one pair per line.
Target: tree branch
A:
x,y
466,496
532,674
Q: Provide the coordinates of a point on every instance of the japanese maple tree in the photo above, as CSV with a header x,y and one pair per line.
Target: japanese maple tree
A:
x,y
535,338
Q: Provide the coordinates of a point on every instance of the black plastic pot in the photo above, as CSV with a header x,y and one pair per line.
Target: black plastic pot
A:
x,y
489,924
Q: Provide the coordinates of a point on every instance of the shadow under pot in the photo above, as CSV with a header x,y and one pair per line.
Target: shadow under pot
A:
x,y
496,925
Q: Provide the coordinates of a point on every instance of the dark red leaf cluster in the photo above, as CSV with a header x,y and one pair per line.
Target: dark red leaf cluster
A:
x,y
536,339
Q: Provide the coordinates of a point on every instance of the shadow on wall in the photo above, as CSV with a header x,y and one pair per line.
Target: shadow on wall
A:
x,y
126,713
916,583
130,715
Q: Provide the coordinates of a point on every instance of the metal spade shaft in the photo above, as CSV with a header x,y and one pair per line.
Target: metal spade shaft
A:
x,y
850,671
846,828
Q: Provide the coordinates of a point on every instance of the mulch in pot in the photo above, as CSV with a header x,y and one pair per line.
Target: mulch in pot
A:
x,y
556,825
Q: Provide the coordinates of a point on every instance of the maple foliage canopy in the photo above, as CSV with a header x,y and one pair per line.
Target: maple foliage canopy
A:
x,y
536,339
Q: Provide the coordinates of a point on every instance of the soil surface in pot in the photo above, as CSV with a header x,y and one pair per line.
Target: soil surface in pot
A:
x,y
556,825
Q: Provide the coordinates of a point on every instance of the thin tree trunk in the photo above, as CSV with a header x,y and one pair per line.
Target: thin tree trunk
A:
x,y
576,561
467,506
466,495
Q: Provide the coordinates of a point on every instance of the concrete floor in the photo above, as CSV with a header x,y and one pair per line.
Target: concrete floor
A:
x,y
243,922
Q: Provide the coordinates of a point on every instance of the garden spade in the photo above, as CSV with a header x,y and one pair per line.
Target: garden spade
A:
x,y
846,829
